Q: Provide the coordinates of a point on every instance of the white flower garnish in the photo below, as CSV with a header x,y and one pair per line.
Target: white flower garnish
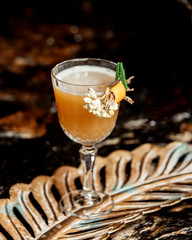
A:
x,y
103,107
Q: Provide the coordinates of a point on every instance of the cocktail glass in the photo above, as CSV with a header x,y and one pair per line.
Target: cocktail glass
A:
x,y
71,80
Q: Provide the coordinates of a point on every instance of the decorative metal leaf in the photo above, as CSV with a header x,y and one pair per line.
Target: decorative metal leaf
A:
x,y
141,181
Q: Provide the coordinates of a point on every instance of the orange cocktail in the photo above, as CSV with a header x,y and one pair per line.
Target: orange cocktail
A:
x,y
78,123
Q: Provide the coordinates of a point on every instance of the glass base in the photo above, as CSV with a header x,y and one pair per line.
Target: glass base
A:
x,y
86,205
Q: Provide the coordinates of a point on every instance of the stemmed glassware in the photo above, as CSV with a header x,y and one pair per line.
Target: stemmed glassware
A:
x,y
72,80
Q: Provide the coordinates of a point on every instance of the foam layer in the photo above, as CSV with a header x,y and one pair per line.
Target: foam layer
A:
x,y
87,75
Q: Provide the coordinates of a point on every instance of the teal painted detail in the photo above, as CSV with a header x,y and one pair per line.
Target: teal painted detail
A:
x,y
87,221
176,197
4,211
90,224
9,209
125,189
96,225
115,189
131,190
188,157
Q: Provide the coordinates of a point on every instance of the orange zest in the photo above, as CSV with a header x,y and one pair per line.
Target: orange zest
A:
x,y
119,92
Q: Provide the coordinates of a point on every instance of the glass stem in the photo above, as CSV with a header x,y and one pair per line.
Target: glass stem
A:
x,y
87,156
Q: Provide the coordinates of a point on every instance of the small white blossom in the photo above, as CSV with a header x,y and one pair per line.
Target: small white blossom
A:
x,y
115,106
104,115
85,106
111,112
91,106
94,103
87,100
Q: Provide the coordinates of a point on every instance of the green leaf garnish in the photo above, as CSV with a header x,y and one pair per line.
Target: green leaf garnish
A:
x,y
120,73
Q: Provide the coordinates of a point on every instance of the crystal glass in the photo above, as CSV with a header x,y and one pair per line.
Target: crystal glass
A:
x,y
71,81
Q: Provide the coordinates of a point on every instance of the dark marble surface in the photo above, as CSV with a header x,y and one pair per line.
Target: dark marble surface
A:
x,y
169,223
151,38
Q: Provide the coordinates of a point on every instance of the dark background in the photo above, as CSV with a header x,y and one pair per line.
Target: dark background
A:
x,y
152,39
